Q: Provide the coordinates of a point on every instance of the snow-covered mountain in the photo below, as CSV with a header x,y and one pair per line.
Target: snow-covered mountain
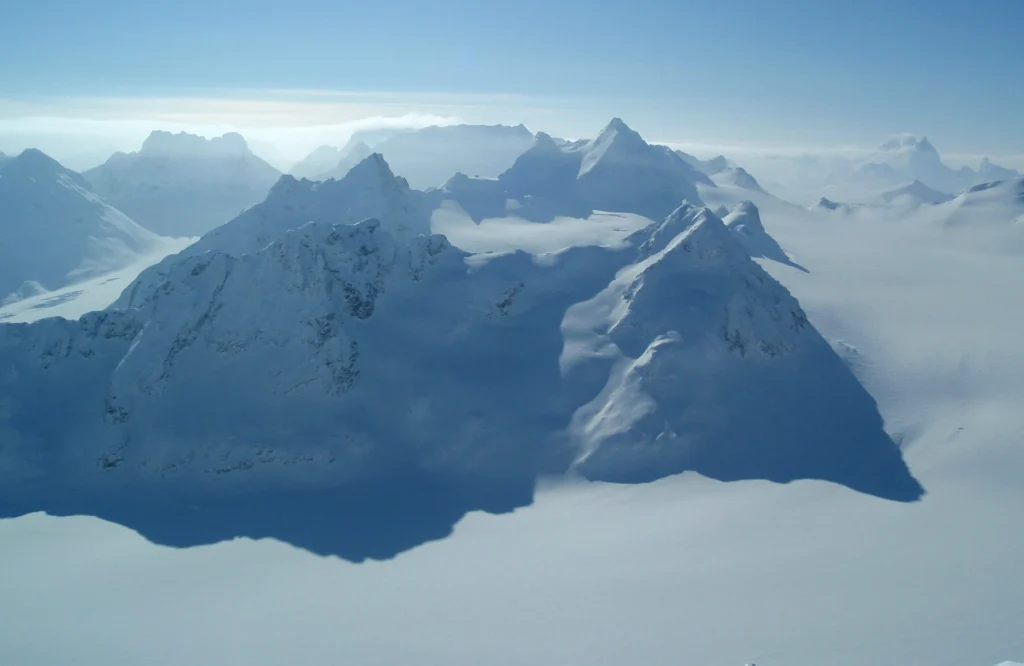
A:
x,y
906,157
54,229
391,359
183,184
617,171
914,194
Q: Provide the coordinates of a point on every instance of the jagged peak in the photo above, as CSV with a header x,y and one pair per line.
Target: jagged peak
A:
x,y
618,131
374,166
618,125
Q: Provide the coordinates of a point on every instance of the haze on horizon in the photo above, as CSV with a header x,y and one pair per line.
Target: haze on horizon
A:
x,y
751,80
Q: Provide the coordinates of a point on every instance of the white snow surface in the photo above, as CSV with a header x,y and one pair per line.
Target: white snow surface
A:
x,y
87,295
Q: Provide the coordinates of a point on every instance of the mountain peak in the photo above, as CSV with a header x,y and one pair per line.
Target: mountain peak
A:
x,y
35,162
374,167
616,128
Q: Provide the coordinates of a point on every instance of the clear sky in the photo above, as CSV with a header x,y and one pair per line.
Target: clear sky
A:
x,y
768,73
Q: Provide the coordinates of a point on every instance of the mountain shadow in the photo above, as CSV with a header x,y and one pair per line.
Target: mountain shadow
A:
x,y
401,383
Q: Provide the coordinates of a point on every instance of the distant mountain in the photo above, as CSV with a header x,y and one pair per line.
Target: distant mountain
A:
x,y
738,177
3,159
183,184
392,365
709,167
989,172
906,157
428,157
326,160
617,171
915,193
55,230
353,155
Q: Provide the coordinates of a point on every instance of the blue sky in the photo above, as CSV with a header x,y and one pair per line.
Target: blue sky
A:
x,y
743,72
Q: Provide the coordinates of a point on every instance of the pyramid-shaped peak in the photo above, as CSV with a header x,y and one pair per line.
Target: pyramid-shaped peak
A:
x,y
618,124
617,128
374,166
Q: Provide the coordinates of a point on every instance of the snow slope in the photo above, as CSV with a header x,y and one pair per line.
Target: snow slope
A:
x,y
55,231
86,295
183,184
